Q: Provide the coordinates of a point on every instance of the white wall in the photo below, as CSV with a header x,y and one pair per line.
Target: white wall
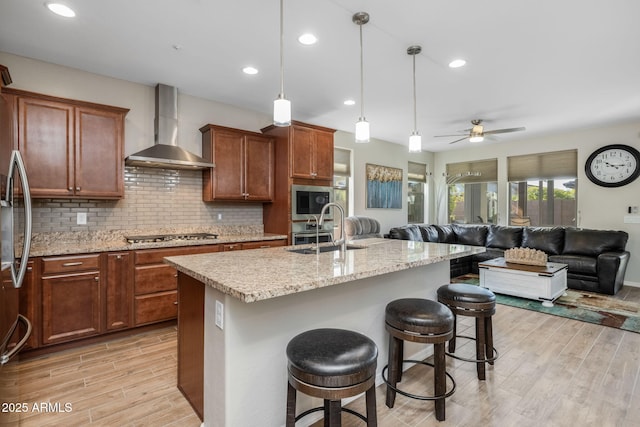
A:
x,y
598,207
380,153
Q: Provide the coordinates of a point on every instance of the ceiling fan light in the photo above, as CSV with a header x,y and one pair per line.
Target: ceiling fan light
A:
x,y
362,130
476,138
281,111
415,142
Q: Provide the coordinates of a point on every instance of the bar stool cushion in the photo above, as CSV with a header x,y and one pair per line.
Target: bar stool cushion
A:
x,y
419,315
331,352
465,293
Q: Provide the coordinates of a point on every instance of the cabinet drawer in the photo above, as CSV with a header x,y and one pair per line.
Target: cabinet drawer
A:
x,y
263,244
155,278
156,307
155,256
71,263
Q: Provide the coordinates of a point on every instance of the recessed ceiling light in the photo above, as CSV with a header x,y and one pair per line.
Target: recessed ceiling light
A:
x,y
250,70
349,102
457,63
61,9
307,39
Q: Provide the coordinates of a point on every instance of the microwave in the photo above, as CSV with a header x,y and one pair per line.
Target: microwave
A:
x,y
308,200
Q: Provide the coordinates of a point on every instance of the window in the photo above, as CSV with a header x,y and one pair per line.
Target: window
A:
x,y
341,177
417,178
472,191
542,188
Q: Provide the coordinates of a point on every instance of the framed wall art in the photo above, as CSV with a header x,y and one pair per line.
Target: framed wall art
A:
x,y
384,187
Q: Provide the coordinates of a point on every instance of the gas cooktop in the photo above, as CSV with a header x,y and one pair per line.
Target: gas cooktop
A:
x,y
170,237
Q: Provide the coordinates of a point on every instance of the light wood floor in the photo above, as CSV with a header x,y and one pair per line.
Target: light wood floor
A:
x,y
552,371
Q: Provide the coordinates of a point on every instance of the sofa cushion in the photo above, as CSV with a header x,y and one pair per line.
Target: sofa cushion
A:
x,y
474,235
445,233
429,233
593,242
406,232
503,237
547,239
578,264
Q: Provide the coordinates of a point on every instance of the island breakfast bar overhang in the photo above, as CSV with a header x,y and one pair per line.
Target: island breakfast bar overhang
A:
x,y
265,297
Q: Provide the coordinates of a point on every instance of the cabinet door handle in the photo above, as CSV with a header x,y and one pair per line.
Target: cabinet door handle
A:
x,y
118,256
70,189
72,264
97,278
175,303
77,188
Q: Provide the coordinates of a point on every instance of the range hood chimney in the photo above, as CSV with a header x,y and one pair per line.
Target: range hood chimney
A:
x,y
166,153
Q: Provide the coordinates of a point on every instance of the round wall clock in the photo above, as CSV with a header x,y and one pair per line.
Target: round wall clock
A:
x,y
613,165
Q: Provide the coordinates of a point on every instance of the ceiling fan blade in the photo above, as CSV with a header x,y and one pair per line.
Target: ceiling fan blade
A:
x,y
448,136
458,140
495,131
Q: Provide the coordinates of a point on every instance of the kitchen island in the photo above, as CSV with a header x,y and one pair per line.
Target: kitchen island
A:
x,y
238,311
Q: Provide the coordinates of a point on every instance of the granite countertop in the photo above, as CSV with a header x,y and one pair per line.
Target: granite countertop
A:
x,y
256,275
68,243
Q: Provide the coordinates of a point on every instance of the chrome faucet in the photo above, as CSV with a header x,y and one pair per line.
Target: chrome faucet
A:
x,y
343,238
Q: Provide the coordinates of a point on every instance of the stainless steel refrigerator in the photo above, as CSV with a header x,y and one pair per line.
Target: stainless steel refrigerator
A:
x,y
15,236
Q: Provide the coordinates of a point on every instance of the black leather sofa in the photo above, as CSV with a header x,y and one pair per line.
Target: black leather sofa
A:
x,y
597,259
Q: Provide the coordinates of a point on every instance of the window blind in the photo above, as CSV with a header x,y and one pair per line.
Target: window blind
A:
x,y
474,171
417,172
541,166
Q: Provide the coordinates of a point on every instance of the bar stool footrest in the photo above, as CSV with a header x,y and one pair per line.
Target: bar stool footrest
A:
x,y
321,408
464,359
415,396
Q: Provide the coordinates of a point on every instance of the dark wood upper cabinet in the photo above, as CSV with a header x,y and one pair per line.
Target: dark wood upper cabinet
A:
x,y
244,165
71,149
311,153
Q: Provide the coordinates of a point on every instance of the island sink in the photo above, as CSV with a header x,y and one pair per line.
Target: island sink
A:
x,y
331,248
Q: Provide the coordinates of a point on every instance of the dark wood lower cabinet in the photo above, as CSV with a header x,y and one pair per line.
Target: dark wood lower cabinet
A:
x,y
191,341
71,307
119,291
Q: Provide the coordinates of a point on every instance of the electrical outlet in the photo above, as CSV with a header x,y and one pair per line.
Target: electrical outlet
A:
x,y
219,315
81,218
219,216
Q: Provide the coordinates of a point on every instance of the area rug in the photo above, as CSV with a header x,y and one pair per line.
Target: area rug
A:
x,y
579,305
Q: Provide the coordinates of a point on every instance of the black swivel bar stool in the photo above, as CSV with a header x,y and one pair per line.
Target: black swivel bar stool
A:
x,y
422,321
332,364
470,300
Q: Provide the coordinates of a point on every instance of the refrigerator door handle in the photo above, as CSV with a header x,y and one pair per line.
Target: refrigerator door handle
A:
x,y
17,164
4,358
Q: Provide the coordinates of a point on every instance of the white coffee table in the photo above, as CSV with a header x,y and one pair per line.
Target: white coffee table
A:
x,y
543,283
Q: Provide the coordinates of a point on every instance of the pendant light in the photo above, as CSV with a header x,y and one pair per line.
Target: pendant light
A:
x,y
415,140
362,126
281,105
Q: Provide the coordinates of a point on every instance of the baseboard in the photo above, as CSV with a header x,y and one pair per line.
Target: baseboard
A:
x,y
632,284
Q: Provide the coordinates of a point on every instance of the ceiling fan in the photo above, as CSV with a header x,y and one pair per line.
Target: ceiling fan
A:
x,y
477,132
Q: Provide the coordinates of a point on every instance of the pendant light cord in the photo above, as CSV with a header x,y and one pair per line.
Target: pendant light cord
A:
x,y
361,77
281,49
415,113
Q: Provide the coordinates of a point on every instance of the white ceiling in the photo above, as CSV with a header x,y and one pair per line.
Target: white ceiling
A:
x,y
548,65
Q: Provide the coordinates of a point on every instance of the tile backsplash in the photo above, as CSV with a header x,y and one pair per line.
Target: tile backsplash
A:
x,y
154,198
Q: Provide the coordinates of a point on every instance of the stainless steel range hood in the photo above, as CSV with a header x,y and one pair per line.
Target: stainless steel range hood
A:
x,y
166,153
